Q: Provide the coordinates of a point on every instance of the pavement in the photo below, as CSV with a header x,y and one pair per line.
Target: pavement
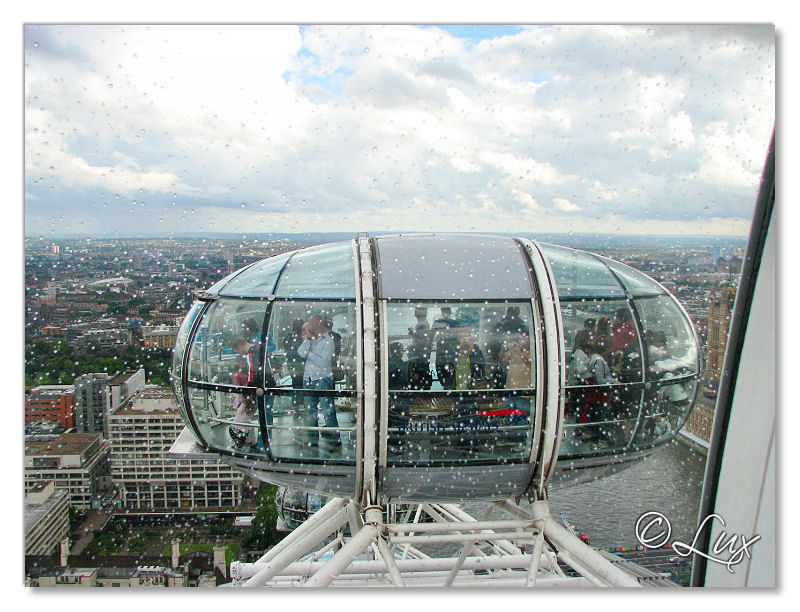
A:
x,y
94,521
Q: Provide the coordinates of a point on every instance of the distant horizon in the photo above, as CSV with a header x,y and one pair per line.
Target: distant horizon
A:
x,y
257,235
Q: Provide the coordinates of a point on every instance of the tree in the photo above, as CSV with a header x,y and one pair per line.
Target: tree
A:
x,y
264,533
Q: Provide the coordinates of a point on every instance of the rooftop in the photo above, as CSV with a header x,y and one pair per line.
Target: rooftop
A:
x,y
122,377
66,444
34,512
148,401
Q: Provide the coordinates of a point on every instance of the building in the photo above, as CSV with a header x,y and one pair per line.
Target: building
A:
x,y
76,463
145,576
100,339
43,431
720,306
98,394
51,403
159,336
719,321
697,428
193,569
46,518
147,477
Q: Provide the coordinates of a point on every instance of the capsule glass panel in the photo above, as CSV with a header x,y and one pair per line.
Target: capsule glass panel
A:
x,y
183,336
227,420
671,346
460,381
580,275
290,320
178,354
636,284
314,363
666,407
604,376
607,331
257,280
600,419
226,349
319,272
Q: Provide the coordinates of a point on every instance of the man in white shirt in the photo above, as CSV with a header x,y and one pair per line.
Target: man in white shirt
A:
x,y
317,349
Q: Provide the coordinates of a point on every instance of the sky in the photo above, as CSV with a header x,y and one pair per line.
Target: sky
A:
x,y
184,129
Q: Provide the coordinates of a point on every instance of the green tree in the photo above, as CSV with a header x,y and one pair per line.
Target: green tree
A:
x,y
264,531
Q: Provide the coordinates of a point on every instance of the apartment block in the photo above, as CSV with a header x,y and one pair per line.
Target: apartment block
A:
x,y
141,434
77,463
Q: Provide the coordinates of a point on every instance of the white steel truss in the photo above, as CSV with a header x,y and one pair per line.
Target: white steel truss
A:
x,y
528,549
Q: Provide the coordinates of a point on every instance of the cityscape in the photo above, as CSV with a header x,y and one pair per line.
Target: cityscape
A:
x,y
105,503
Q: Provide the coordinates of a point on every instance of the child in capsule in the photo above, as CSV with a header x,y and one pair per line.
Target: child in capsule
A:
x,y
243,406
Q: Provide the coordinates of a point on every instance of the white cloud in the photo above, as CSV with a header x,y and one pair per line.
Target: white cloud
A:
x,y
680,127
565,205
377,127
525,198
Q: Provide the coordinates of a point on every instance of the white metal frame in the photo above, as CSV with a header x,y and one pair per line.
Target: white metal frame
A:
x,y
527,549
368,367
554,357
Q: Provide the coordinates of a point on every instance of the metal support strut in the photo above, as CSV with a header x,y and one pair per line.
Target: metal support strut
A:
x,y
523,550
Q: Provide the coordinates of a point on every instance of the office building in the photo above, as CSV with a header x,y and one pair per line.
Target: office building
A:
x,y
46,518
51,403
98,394
76,463
147,477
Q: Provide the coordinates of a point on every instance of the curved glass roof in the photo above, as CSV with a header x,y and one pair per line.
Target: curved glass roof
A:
x,y
579,274
436,267
325,271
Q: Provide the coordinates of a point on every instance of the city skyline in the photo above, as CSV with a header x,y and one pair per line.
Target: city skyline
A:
x,y
136,131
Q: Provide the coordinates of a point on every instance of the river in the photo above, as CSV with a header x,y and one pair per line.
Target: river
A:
x,y
669,481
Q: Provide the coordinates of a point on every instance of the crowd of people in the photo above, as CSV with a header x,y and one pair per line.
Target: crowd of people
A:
x,y
607,351
448,350
504,362
311,351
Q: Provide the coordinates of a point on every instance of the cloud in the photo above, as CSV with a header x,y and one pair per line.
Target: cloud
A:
x,y
396,127
565,205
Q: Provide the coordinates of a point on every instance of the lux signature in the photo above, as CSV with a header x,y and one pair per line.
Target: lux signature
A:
x,y
653,530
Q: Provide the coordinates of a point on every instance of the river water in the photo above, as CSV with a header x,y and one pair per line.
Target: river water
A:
x,y
668,481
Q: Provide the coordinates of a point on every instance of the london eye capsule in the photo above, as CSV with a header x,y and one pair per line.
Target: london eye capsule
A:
x,y
434,367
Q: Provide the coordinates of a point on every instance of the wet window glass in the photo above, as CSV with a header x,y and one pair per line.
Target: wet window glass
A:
x,y
635,283
671,347
460,379
226,349
256,281
319,272
665,409
602,343
314,359
228,420
579,274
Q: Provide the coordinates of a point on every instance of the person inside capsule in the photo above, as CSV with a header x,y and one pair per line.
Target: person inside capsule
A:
x,y
244,408
318,350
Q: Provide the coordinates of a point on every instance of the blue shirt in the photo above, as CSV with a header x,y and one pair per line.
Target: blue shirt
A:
x,y
318,354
